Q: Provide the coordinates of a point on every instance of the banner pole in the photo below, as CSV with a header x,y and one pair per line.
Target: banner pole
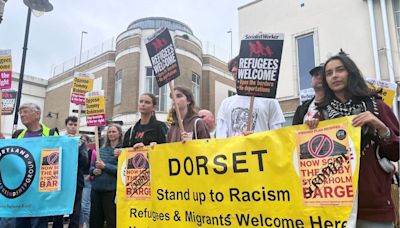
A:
x,y
79,117
1,110
96,139
250,116
178,114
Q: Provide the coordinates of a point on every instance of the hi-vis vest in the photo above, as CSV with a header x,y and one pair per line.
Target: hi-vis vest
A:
x,y
45,132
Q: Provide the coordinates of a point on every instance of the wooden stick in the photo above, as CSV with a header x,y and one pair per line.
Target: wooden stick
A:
x,y
96,140
1,109
79,117
250,116
178,114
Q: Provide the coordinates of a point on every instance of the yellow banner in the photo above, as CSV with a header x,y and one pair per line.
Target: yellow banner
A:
x,y
387,90
257,181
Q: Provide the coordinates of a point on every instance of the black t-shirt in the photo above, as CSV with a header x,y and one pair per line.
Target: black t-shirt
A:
x,y
154,131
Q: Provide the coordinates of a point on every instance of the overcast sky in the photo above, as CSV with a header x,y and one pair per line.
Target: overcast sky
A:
x,y
55,36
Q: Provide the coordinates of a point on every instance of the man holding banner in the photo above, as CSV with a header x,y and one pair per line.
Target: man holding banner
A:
x,y
71,125
30,117
233,113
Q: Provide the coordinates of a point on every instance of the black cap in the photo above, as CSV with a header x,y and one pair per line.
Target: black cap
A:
x,y
317,68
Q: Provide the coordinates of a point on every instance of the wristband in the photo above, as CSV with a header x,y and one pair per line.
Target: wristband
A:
x,y
385,135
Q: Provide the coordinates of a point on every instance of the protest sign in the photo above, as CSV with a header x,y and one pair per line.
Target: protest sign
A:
x,y
95,109
325,168
5,69
259,63
50,170
387,90
163,57
306,95
29,188
252,181
8,101
82,83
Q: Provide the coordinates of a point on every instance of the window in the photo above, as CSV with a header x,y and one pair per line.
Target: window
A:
x,y
196,88
305,59
396,8
231,93
118,87
152,87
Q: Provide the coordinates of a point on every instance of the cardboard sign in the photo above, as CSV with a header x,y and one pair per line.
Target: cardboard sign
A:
x,y
163,57
83,83
95,109
8,102
259,63
387,90
50,170
5,69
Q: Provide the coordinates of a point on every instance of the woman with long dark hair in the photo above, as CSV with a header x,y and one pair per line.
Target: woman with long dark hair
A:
x,y
194,127
346,93
148,130
104,183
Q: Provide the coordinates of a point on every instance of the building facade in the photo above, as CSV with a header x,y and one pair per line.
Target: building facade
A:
x,y
315,30
34,91
125,72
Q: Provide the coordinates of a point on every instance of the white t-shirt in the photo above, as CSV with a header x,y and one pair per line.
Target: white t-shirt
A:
x,y
233,112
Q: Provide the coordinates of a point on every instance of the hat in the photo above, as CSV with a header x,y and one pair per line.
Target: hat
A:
x,y
317,68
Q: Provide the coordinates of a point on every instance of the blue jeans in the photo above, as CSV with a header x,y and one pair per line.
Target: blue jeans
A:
x,y
7,222
32,222
85,209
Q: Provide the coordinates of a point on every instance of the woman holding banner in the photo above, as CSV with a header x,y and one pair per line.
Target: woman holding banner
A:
x,y
148,130
346,93
105,181
194,127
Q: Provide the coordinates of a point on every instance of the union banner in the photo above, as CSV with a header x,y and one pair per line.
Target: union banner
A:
x,y
34,180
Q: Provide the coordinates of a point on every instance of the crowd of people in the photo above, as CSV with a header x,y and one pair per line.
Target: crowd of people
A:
x,y
340,90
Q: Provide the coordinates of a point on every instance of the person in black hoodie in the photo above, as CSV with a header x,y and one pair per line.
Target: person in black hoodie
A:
x,y
71,125
148,130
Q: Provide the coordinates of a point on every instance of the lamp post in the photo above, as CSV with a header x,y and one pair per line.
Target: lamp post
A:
x,y
80,51
2,3
230,31
41,6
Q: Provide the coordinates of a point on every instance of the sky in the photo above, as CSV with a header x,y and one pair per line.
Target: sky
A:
x,y
55,36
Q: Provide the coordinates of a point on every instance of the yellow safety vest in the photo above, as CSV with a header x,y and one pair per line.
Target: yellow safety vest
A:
x,y
45,132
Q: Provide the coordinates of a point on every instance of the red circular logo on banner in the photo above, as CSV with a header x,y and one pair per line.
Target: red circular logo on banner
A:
x,y
320,146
